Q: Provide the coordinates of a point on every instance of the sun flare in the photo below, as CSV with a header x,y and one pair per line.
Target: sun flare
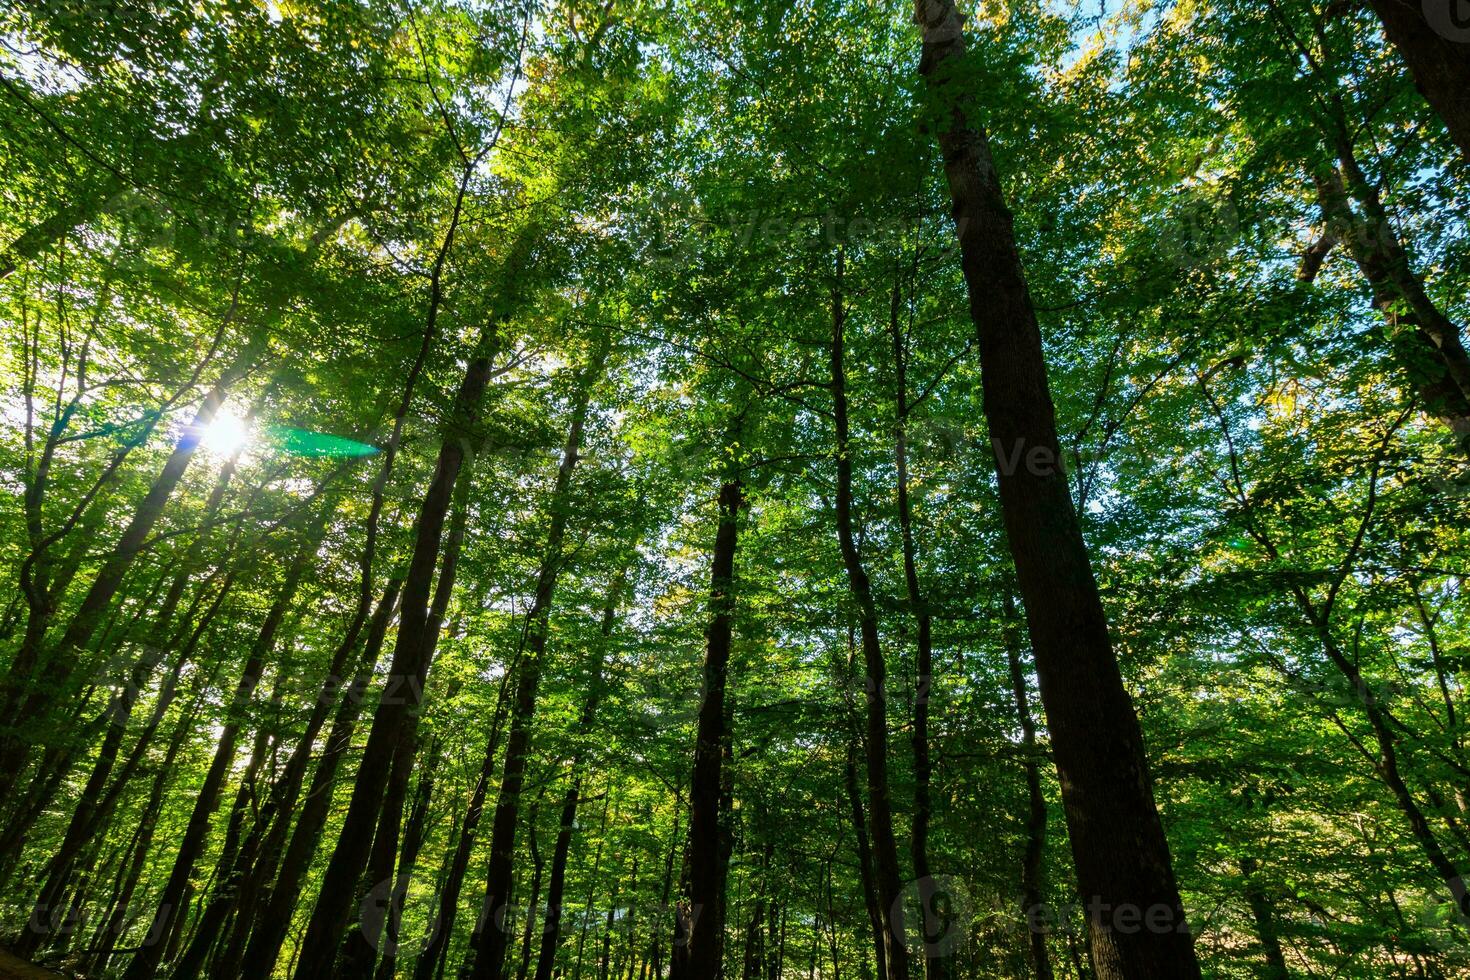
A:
x,y
226,435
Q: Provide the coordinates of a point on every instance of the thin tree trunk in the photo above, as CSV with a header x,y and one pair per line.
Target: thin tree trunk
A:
x,y
699,929
865,860
34,683
490,951
1425,342
275,915
397,713
538,864
592,881
1265,919
361,944
285,794
937,962
234,859
414,832
551,929
1118,843
88,812
1031,894
880,805
431,960
145,962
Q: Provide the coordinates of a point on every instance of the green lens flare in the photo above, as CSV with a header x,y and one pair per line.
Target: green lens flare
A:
x,y
300,442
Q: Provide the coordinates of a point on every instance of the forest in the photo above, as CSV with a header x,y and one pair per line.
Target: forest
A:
x,y
734,490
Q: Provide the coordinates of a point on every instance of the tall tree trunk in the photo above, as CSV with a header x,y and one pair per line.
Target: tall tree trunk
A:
x,y
1265,919
414,832
937,962
397,715
538,865
286,792
699,932
360,946
145,962
88,811
1118,843
654,956
234,858
37,678
1031,895
275,914
889,880
1436,56
489,952
556,886
35,681
592,881
864,860
431,960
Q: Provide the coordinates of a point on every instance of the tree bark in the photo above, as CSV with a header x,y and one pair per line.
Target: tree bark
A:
x,y
888,878
556,886
1424,341
1265,919
489,952
1031,894
359,949
431,960
145,962
1437,58
397,712
864,860
937,963
699,933
1118,843
275,915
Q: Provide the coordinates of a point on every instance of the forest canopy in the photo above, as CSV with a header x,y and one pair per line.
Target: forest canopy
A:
x,y
734,490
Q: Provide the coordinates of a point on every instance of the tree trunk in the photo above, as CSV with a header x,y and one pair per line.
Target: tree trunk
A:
x,y
1118,843
538,864
235,856
1031,894
556,886
699,931
35,682
146,961
275,917
490,951
1424,341
880,805
865,860
1265,919
1436,56
285,793
937,962
397,712
414,832
430,961
361,944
